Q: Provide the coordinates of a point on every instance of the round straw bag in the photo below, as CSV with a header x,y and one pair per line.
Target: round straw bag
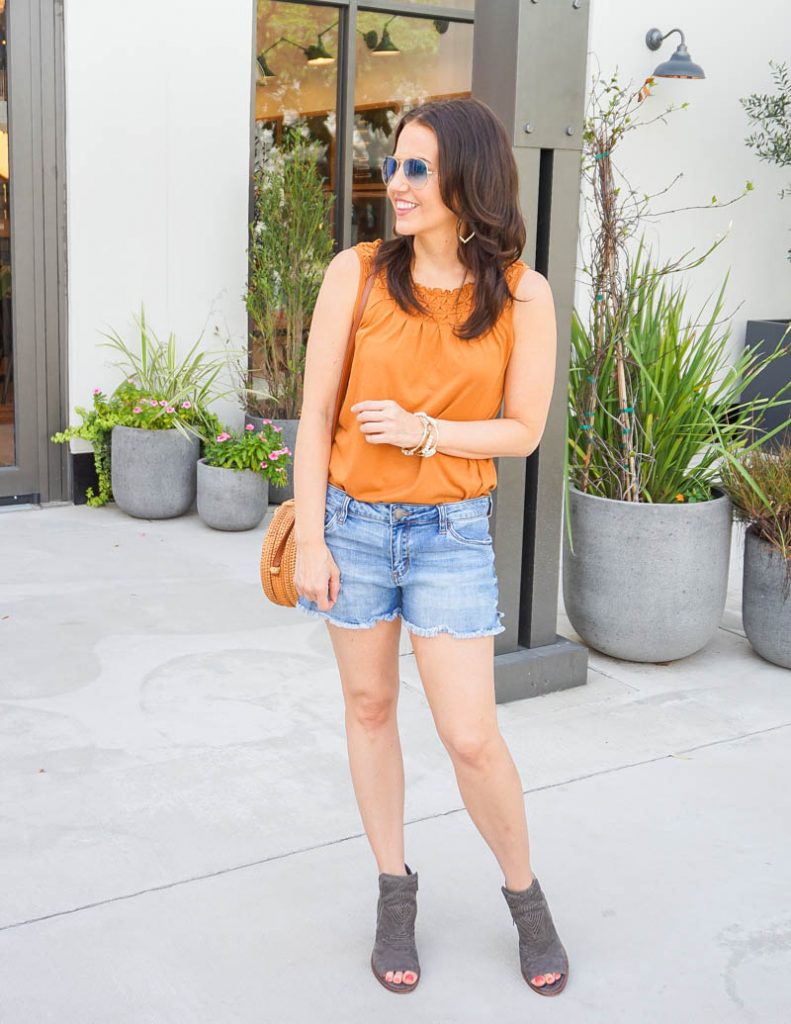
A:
x,y
279,550
279,557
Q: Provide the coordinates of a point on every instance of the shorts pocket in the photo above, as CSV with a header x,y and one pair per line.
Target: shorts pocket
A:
x,y
474,532
331,517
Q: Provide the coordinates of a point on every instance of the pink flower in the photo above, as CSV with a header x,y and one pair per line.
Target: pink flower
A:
x,y
152,401
163,401
137,409
273,455
170,409
263,465
186,405
287,451
278,429
266,421
97,391
249,426
223,436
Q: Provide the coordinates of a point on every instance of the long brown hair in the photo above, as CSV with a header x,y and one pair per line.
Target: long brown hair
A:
x,y
478,181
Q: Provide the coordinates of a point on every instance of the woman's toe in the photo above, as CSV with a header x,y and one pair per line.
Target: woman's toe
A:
x,y
389,976
410,977
398,977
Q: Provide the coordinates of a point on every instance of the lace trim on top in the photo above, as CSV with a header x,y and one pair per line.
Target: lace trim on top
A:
x,y
443,304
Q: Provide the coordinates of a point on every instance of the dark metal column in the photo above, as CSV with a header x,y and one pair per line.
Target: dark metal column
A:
x,y
529,62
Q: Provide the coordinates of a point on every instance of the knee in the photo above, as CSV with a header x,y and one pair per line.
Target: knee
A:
x,y
371,711
474,748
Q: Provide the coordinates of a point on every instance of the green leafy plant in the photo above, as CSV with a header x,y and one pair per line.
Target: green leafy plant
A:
x,y
642,424
158,370
130,406
772,115
684,414
290,247
261,451
160,392
759,486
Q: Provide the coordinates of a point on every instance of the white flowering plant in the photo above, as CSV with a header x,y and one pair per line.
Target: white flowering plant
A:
x,y
261,451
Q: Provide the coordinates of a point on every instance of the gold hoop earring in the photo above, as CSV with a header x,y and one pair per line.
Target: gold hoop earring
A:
x,y
459,235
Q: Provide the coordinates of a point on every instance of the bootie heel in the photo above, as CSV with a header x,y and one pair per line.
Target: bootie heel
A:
x,y
540,949
394,948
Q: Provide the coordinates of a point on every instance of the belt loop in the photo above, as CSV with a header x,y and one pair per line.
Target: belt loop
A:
x,y
443,518
491,504
345,501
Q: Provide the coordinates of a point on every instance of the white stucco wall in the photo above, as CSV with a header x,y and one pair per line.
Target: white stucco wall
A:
x,y
158,107
705,143
158,122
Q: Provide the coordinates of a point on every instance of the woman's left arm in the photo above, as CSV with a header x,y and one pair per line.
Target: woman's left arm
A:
x,y
527,391
529,381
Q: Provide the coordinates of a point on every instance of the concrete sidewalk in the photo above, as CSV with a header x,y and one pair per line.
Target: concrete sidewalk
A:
x,y
180,843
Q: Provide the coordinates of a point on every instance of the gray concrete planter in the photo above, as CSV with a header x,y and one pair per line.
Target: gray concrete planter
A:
x,y
289,435
153,474
231,499
647,582
766,612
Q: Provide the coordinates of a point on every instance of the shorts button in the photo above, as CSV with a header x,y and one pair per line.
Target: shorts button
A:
x,y
400,513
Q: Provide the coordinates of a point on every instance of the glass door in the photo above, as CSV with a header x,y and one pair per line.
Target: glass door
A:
x,y
32,251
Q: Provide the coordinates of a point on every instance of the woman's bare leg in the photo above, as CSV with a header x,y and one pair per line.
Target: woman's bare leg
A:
x,y
368,664
458,678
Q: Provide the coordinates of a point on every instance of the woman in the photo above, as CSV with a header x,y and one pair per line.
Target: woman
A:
x,y
393,513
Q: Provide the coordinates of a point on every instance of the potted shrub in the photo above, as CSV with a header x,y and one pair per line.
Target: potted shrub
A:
x,y
759,486
771,142
290,247
234,476
146,435
653,411
645,567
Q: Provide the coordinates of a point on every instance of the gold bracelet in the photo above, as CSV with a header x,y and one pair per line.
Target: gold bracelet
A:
x,y
426,433
430,448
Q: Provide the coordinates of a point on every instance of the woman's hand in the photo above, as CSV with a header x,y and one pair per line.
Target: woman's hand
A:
x,y
385,422
316,576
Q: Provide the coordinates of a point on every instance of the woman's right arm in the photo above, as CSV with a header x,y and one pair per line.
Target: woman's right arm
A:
x,y
317,576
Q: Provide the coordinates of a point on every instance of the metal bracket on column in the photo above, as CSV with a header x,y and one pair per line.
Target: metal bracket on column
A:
x,y
529,62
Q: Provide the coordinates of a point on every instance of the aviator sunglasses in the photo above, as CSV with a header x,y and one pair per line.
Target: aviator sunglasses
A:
x,y
416,171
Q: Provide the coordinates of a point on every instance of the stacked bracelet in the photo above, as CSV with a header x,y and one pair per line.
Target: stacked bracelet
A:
x,y
427,445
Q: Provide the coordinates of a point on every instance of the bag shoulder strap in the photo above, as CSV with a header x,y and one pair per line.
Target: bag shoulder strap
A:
x,y
347,362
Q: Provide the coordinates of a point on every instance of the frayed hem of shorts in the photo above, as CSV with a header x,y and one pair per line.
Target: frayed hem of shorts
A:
x,y
316,614
436,630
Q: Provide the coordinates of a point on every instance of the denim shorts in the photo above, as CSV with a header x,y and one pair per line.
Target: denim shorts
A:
x,y
431,564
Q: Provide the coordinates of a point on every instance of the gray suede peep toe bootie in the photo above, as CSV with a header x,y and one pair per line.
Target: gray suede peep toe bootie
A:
x,y
394,948
540,949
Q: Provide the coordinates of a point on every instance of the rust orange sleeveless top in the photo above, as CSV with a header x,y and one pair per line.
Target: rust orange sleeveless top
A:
x,y
417,361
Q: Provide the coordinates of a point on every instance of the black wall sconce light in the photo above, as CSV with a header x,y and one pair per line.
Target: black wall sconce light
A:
x,y
384,47
680,64
316,54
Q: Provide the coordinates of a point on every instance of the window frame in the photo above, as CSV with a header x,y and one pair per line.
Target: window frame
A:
x,y
344,96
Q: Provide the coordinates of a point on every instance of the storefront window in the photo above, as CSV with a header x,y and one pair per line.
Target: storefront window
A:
x,y
296,83
7,447
401,62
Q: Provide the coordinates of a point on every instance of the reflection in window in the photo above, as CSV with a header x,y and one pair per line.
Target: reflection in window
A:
x,y
297,68
401,62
